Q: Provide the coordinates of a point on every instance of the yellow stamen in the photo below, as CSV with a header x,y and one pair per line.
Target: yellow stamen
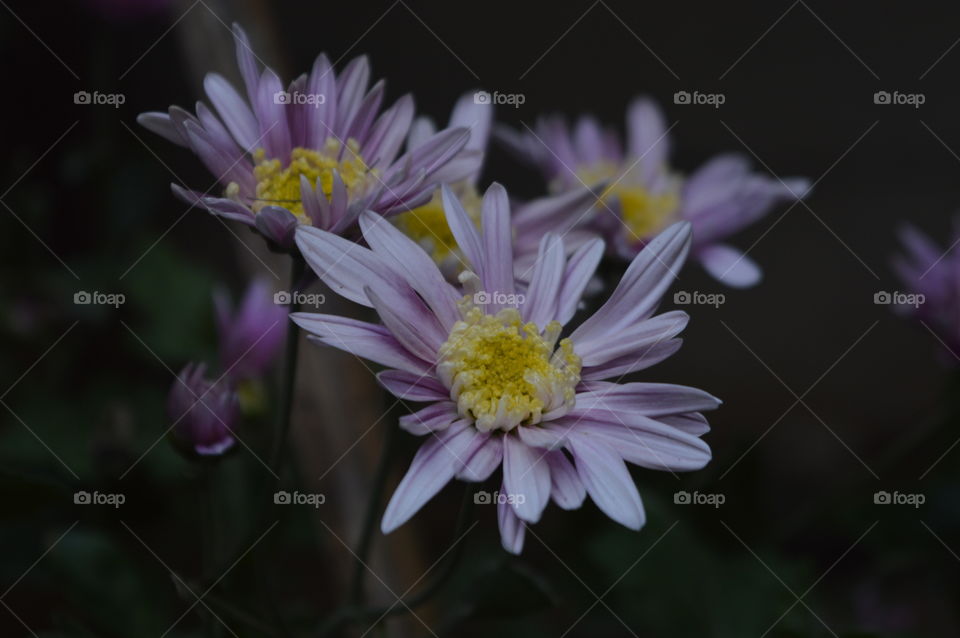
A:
x,y
643,212
504,373
427,224
279,185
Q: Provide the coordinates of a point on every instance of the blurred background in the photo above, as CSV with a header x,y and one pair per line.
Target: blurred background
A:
x,y
829,397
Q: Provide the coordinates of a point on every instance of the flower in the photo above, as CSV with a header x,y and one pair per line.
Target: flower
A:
x,y
502,388
252,335
203,412
932,277
644,194
427,224
316,153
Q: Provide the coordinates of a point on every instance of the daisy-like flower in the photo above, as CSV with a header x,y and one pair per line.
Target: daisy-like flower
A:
x,y
503,388
644,194
315,153
427,224
931,275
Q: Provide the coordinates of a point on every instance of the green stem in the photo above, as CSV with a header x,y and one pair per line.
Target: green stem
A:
x,y
370,519
290,371
211,540
347,615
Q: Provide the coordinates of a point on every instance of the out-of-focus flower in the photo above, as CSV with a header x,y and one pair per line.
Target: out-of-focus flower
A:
x,y
252,335
313,153
427,224
503,389
644,194
931,275
203,412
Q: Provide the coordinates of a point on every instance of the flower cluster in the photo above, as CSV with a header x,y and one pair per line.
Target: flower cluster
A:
x,y
479,298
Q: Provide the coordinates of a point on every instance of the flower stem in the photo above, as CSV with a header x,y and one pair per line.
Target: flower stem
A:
x,y
297,267
347,615
370,519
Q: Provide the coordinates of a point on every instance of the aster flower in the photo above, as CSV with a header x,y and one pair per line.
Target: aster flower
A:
x,y
932,275
427,224
252,335
502,388
204,412
315,153
645,195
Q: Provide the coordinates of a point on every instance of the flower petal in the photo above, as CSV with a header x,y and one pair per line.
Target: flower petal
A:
x,y
512,529
730,266
607,481
526,477
433,418
413,387
433,466
566,488
365,340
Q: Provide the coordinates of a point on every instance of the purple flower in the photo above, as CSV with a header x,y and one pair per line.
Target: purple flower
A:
x,y
644,195
203,412
314,153
251,336
932,276
427,224
502,389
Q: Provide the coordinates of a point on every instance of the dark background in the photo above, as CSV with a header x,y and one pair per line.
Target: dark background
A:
x,y
828,397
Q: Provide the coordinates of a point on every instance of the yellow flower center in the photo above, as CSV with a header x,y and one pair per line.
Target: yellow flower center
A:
x,y
503,372
279,185
643,213
427,224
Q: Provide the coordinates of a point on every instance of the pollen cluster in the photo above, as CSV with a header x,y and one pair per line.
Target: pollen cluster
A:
x,y
504,373
427,225
279,185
